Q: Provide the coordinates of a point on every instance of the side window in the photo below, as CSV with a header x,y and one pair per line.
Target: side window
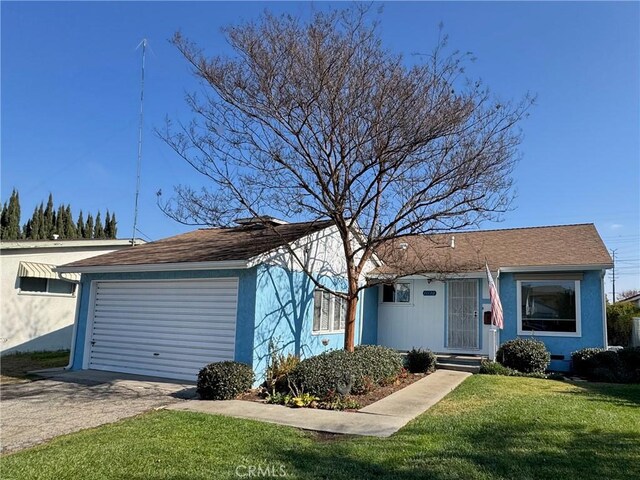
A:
x,y
329,312
396,293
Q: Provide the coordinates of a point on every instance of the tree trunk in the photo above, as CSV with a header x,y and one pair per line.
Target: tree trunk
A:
x,y
350,321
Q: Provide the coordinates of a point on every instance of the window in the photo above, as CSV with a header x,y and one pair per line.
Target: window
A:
x,y
551,307
46,285
396,293
329,312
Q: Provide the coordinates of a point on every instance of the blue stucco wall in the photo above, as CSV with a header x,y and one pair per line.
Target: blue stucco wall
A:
x,y
284,316
246,304
591,302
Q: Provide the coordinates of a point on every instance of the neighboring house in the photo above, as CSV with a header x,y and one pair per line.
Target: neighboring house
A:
x,y
39,304
634,299
169,307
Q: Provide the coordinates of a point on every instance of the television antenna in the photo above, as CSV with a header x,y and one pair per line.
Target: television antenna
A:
x,y
142,44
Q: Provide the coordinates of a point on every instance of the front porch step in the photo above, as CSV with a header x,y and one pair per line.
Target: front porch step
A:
x,y
458,367
460,363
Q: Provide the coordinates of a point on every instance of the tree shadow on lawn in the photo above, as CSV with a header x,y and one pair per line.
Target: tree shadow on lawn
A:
x,y
624,395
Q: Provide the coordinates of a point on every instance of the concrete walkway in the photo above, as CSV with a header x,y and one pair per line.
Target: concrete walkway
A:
x,y
380,419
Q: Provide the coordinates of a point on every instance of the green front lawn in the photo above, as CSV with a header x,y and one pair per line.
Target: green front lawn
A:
x,y
14,367
490,427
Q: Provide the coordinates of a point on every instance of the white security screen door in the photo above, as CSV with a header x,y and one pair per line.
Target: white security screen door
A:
x,y
462,305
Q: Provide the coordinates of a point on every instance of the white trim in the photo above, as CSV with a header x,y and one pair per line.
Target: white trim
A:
x,y
31,244
536,333
605,335
88,333
74,332
554,268
157,267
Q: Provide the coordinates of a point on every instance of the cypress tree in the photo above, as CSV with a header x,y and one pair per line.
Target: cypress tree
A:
x,y
114,227
69,225
88,227
14,219
107,225
27,232
49,219
98,231
80,226
59,227
42,226
4,221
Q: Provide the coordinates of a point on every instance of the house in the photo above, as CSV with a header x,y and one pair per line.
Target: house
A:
x,y
169,307
39,304
633,299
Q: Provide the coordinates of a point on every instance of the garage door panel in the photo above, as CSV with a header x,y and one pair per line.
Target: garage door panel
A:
x,y
168,329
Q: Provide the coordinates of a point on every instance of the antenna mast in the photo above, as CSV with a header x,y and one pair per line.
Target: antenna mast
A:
x,y
139,165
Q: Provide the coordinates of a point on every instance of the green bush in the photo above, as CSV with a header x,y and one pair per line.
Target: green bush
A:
x,y
597,364
421,361
224,380
377,366
487,367
524,355
345,372
619,322
582,360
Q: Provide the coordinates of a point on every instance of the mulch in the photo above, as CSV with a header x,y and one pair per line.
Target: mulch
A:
x,y
256,395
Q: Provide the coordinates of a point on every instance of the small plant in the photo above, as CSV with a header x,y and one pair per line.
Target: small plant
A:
x,y
524,355
224,380
421,361
280,366
487,367
303,400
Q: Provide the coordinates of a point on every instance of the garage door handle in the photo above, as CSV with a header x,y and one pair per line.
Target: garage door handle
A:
x,y
93,342
156,354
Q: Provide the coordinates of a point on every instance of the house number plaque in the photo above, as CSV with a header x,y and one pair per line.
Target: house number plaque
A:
x,y
429,293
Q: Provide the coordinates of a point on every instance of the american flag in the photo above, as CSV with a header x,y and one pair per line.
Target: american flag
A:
x,y
496,305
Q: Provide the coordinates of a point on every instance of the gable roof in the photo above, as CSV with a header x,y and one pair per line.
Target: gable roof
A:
x,y
551,246
207,245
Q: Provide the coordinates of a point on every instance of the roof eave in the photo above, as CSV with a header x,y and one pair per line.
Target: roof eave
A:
x,y
155,267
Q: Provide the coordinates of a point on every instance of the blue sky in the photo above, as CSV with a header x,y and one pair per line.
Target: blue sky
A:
x,y
70,93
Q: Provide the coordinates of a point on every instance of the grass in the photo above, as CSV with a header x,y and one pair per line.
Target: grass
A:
x,y
14,367
489,427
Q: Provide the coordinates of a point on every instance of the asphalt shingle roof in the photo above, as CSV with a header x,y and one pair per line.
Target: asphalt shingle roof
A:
x,y
562,245
208,245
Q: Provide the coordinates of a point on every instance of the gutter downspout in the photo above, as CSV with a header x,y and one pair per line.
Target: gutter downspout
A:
x,y
604,310
75,328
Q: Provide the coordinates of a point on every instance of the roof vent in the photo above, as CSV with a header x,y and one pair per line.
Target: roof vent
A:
x,y
55,236
261,221
403,245
453,241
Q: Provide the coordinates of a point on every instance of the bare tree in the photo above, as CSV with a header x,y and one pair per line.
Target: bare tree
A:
x,y
627,294
316,119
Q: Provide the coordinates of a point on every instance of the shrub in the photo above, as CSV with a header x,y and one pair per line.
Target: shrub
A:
x,y
224,380
524,355
377,366
619,322
487,367
342,372
582,360
421,361
279,368
631,360
330,371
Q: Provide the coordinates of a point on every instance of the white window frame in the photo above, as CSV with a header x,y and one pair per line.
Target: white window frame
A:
x,y
333,301
409,283
537,333
47,293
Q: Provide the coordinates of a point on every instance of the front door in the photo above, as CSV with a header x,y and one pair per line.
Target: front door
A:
x,y
462,307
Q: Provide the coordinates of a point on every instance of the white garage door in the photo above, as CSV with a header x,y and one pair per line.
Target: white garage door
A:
x,y
163,328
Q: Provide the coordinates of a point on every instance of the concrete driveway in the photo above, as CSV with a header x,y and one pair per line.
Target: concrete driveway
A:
x,y
65,402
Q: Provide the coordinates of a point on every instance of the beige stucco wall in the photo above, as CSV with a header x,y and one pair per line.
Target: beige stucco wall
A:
x,y
39,321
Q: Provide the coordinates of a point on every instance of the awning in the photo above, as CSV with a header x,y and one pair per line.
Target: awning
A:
x,y
45,270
